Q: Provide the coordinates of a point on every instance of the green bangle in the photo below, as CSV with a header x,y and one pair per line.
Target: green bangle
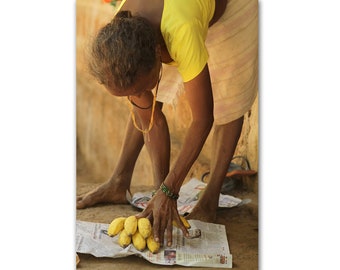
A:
x,y
168,193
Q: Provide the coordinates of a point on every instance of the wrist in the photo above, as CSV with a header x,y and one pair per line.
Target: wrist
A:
x,y
168,192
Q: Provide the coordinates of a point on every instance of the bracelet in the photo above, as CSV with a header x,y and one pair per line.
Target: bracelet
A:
x,y
168,193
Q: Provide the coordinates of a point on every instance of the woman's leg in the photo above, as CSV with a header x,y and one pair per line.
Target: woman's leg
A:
x,y
159,147
225,139
114,189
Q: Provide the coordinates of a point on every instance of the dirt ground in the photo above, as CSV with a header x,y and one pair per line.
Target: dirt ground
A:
x,y
241,227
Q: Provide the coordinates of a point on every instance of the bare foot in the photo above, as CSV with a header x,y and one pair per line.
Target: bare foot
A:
x,y
205,215
108,192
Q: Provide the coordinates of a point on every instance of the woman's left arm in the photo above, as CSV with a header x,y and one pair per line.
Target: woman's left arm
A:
x,y
198,92
162,208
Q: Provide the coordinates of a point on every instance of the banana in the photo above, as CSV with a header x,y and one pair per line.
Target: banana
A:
x,y
124,239
116,226
144,227
153,246
138,241
136,231
130,225
185,222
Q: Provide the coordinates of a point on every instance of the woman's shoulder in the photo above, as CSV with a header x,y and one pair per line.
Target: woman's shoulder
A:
x,y
192,10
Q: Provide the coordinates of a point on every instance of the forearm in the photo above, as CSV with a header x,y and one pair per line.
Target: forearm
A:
x,y
192,146
199,95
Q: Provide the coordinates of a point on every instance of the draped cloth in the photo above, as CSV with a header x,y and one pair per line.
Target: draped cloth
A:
x,y
232,44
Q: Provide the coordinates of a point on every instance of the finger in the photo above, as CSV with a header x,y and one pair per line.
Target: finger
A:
x,y
162,230
143,214
150,217
169,232
156,228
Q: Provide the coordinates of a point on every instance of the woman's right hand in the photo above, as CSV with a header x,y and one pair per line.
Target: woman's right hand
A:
x,y
162,210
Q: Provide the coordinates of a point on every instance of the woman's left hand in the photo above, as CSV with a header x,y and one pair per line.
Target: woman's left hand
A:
x,y
162,211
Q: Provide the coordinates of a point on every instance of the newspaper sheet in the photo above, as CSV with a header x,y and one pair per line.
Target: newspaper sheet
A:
x,y
188,197
209,249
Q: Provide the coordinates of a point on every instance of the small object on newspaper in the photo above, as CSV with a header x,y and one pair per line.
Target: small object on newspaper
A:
x,y
207,245
188,198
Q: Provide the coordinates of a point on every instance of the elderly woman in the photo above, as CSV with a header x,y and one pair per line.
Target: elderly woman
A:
x,y
149,52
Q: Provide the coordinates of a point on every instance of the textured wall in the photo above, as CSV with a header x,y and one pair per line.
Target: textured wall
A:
x,y
101,117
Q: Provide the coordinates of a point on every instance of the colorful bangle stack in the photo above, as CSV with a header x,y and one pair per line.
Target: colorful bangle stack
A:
x,y
168,193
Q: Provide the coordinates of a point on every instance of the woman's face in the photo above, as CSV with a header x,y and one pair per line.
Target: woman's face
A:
x,y
144,82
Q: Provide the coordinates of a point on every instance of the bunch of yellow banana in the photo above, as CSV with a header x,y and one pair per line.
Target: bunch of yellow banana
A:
x,y
138,231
